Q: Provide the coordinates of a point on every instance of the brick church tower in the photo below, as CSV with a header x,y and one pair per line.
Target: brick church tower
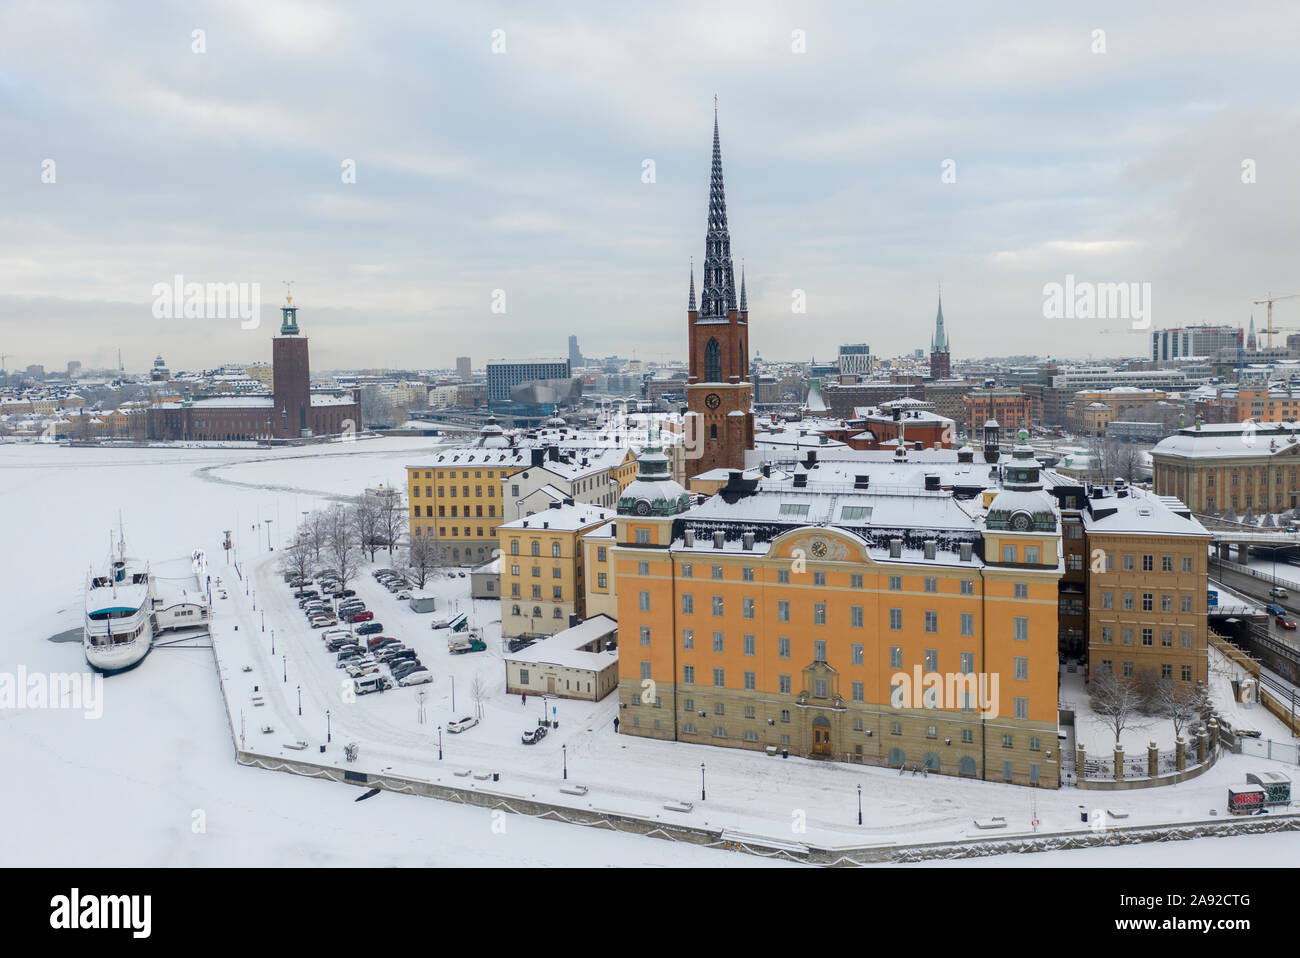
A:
x,y
719,394
291,378
940,357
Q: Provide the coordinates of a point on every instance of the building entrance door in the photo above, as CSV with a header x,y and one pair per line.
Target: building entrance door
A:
x,y
821,736
550,684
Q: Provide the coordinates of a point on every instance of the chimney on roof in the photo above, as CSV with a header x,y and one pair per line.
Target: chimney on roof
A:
x,y
538,455
553,453
931,482
767,470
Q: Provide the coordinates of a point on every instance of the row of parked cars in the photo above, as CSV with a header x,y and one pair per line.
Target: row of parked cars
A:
x,y
394,581
353,651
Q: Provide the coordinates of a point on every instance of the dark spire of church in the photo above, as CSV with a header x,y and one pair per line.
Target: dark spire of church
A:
x,y
718,293
744,306
691,304
940,344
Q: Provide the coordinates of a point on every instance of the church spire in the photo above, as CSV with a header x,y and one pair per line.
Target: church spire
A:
x,y
744,306
691,303
940,344
718,294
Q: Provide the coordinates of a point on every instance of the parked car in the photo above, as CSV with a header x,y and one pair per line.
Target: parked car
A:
x,y
401,655
371,683
1286,622
375,643
405,667
404,595
388,651
1277,592
306,594
534,735
370,628
338,642
462,724
363,668
346,593
351,604
323,621
364,615
416,677
348,648
1274,609
299,583
336,634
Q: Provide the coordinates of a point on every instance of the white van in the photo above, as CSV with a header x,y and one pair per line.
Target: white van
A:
x,y
371,683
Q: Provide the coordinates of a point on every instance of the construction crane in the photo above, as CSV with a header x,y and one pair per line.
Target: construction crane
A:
x,y
1270,299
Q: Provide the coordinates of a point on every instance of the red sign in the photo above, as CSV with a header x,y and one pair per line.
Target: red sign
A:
x,y
1246,798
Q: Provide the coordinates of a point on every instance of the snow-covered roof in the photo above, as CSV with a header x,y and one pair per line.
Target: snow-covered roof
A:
x,y
562,519
565,648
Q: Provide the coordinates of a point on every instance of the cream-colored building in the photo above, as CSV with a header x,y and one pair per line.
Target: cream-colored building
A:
x,y
578,663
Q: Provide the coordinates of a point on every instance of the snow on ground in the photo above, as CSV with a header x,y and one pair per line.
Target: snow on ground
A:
x,y
133,786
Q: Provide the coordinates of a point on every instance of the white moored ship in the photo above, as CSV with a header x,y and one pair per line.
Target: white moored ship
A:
x,y
118,630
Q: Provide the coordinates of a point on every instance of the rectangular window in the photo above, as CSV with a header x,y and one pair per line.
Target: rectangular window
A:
x,y
1022,708
645,671
1148,602
643,601
688,638
896,583
719,678
1166,563
895,656
688,603
602,580
1108,600
1186,603
1022,668
717,642
931,620
1128,563
1031,555
1128,601
855,616
819,578
968,623
643,537
1147,636
686,570
1187,563
747,574
856,652
855,581
819,613
783,611
859,692
717,605
819,651
645,635
751,681
784,684
967,586
643,568
932,660
967,663
688,674
1021,590
783,647
896,620
1008,553
747,608
783,576
1186,638
931,584
1021,625
1148,563
748,641
1107,635
819,688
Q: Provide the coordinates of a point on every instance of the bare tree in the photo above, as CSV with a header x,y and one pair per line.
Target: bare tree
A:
x,y
1181,702
1119,460
316,529
392,519
424,556
365,516
1116,700
342,557
296,560
478,692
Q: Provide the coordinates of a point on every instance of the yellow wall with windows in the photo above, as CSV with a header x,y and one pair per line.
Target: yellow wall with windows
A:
x,y
460,507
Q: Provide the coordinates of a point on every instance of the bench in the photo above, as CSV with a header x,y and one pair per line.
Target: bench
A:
x,y
461,773
482,776
995,822
679,806
296,746
1116,813
574,789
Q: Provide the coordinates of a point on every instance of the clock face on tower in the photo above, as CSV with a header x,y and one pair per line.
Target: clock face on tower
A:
x,y
713,400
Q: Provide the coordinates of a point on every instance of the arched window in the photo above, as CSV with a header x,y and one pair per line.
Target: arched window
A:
x,y
896,758
555,549
966,766
713,430
931,761
557,614
713,362
514,610
537,548
514,547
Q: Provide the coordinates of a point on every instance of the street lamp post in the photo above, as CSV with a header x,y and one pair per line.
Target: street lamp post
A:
x,y
273,641
269,547
263,614
285,662
300,700
701,781
564,756
859,804
440,743
328,732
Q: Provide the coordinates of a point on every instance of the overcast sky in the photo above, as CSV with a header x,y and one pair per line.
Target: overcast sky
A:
x,y
522,171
